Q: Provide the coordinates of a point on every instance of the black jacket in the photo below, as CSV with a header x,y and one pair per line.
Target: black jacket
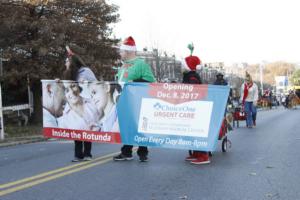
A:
x,y
191,77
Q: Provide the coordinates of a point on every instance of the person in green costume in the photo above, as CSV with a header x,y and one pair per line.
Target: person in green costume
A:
x,y
136,70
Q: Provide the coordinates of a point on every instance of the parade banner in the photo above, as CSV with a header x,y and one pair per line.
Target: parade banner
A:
x,y
172,115
167,115
83,111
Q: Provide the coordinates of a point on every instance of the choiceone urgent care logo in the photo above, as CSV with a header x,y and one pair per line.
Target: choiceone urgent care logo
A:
x,y
173,111
162,107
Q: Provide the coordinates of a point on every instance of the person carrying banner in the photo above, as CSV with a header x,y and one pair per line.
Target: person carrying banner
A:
x,y
190,76
249,97
137,70
221,81
76,70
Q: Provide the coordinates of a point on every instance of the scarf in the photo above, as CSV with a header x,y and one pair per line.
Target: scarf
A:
x,y
247,86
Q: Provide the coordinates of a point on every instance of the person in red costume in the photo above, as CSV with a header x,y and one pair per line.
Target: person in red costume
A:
x,y
190,76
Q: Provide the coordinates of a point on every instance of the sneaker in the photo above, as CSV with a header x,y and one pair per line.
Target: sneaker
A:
x,y
122,157
203,159
76,159
191,158
88,158
143,159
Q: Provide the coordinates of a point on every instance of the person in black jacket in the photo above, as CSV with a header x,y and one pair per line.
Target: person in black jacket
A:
x,y
220,79
76,70
190,76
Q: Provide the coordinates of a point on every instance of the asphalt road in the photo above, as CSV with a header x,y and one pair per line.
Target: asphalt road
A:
x,y
263,163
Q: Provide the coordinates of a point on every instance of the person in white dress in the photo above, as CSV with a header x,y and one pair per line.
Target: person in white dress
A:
x,y
80,113
53,102
105,96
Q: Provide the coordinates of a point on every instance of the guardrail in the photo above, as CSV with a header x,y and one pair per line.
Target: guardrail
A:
x,y
18,108
20,115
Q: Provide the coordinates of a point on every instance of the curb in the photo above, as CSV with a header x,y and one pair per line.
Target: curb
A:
x,y
23,140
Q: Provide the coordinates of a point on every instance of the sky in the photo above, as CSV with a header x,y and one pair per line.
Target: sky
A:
x,y
252,31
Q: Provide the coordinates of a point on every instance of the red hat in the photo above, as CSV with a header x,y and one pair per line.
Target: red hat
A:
x,y
191,63
128,44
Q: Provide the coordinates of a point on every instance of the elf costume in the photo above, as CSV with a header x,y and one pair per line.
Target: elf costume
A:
x,y
136,68
190,64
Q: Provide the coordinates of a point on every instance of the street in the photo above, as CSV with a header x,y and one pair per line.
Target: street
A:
x,y
263,163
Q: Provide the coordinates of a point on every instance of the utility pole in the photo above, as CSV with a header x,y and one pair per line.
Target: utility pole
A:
x,y
261,66
1,108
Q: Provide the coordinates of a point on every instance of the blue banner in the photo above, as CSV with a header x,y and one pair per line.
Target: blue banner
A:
x,y
171,115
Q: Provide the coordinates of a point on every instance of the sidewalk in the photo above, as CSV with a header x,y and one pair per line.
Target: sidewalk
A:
x,y
21,140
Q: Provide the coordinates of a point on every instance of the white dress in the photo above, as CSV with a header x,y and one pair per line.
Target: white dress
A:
x,y
110,122
48,119
72,120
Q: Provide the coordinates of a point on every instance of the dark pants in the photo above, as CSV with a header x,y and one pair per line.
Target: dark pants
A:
x,y
82,149
127,150
254,117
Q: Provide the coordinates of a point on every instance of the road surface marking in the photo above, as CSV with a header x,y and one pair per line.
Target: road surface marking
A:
x,y
54,174
54,171
49,178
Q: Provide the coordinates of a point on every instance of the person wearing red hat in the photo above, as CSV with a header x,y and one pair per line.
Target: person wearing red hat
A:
x,y
137,70
190,64
133,68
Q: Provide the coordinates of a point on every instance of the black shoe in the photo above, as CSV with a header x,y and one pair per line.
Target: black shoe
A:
x,y
143,159
122,157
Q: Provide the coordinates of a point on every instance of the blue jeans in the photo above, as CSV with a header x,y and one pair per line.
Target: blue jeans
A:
x,y
250,110
254,113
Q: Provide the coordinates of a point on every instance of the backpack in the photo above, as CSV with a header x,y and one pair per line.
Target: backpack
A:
x,y
191,77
